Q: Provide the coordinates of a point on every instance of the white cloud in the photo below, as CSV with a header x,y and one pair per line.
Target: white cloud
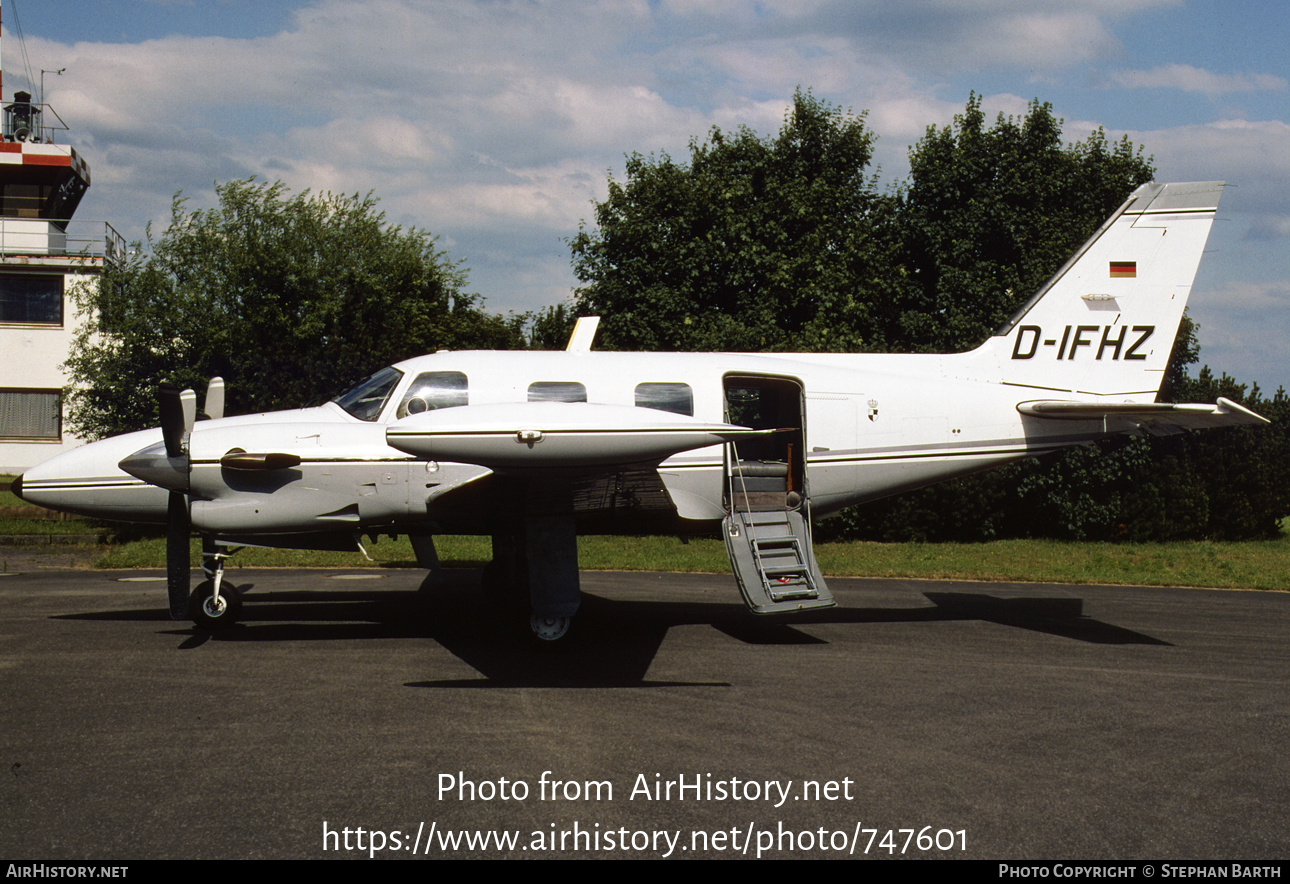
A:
x,y
552,197
1248,153
1269,226
1255,296
1186,78
1243,329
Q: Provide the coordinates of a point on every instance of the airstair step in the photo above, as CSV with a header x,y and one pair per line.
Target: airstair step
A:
x,y
797,591
773,561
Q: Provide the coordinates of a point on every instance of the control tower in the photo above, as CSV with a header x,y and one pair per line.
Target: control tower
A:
x,y
44,258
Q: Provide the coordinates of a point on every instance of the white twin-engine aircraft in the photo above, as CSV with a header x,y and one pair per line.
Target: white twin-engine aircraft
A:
x,y
533,447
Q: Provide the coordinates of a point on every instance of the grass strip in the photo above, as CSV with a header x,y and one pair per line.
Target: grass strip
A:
x,y
1243,565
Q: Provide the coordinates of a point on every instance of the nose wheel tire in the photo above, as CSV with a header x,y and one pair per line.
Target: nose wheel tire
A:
x,y
209,614
549,629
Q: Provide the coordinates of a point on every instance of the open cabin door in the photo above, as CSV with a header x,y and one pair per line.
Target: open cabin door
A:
x,y
767,525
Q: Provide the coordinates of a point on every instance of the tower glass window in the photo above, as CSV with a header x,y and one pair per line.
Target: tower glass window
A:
x,y
37,300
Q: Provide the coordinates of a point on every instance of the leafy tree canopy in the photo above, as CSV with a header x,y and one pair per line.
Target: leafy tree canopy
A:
x,y
988,215
748,247
786,244
284,296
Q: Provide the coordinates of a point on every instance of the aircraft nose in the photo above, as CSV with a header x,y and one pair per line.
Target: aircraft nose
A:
x,y
16,487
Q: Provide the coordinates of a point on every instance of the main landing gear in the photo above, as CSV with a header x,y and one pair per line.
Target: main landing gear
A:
x,y
539,565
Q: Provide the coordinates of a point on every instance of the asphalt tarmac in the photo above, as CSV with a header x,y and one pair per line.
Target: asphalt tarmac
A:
x,y
357,710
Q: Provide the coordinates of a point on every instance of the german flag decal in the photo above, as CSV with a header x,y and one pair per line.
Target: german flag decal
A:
x,y
1124,269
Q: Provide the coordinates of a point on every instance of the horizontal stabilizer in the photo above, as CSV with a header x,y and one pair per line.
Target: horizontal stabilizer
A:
x,y
1159,418
562,435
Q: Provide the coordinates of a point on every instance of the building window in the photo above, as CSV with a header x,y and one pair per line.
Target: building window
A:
x,y
676,398
31,414
31,299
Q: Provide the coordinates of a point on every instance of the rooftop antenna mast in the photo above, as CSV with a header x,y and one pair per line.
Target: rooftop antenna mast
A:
x,y
43,71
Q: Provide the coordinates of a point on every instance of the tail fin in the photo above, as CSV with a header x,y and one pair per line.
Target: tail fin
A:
x,y
1106,322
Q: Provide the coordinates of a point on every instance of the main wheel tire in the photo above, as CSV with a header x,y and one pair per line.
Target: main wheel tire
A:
x,y
206,614
549,629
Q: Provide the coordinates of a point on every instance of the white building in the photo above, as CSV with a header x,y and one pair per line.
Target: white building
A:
x,y
44,257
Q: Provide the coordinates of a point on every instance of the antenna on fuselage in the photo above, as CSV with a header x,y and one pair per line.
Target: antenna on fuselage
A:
x,y
584,332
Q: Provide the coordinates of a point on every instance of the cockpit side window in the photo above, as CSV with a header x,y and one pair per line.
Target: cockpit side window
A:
x,y
365,399
433,390
676,398
557,391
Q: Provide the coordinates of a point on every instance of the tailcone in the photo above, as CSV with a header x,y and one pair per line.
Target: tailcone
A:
x,y
16,487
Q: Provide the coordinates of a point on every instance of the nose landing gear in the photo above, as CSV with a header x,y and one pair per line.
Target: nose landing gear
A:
x,y
214,604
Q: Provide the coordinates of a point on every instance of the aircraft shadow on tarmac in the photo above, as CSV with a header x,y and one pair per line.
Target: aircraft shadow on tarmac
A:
x,y
614,641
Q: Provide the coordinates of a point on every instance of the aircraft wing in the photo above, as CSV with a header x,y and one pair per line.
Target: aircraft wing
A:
x,y
563,435
1157,418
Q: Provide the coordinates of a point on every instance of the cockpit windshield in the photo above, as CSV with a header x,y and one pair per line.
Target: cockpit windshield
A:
x,y
366,398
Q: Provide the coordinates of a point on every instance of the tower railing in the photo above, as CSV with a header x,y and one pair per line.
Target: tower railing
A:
x,y
30,121
42,238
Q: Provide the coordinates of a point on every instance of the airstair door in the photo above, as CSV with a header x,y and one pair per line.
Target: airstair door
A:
x,y
767,526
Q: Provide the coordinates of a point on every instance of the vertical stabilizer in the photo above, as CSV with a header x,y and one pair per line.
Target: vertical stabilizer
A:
x,y
1106,322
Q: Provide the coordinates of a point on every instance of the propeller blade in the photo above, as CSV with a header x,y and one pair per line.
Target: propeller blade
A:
x,y
215,399
188,405
178,561
178,414
172,419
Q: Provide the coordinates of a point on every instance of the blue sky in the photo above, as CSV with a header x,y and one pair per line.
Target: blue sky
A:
x,y
496,124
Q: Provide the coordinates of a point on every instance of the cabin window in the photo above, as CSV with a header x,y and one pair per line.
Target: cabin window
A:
x,y
37,300
366,398
31,415
433,390
676,398
557,391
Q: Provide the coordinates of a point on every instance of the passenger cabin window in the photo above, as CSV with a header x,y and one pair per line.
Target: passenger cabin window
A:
x,y
676,398
37,300
557,391
30,414
366,398
433,390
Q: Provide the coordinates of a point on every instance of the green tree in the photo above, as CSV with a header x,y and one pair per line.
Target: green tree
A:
x,y
756,244
785,243
987,216
284,296
549,328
